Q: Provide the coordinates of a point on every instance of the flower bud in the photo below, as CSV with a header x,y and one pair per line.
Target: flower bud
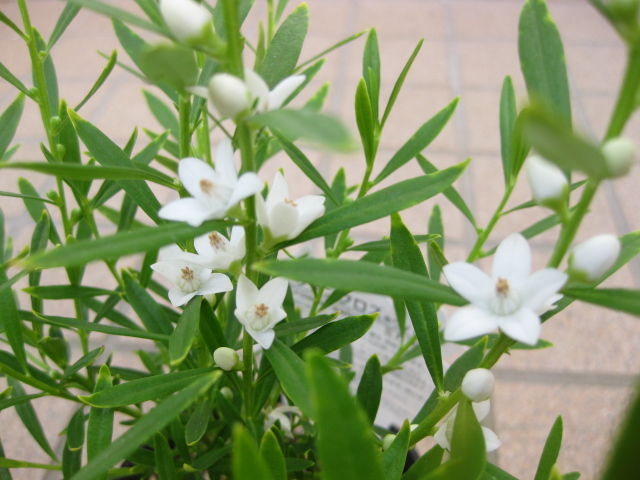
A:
x,y
619,153
188,21
478,384
227,393
547,182
225,358
388,440
228,94
594,257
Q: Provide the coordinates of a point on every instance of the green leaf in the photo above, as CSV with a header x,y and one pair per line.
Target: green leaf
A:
x,y
384,245
100,423
623,458
406,256
82,362
144,389
425,464
336,335
366,122
304,164
149,311
436,228
117,13
369,390
9,23
453,378
418,141
468,453
246,460
50,77
13,80
72,453
284,50
165,465
558,144
272,456
394,457
9,123
508,115
170,64
198,422
163,113
318,128
148,425
17,400
392,199
397,86
492,472
363,277
106,71
58,292
29,418
118,245
342,427
289,369
35,207
550,452
371,72
184,334
542,59
66,17
615,298
109,154
284,329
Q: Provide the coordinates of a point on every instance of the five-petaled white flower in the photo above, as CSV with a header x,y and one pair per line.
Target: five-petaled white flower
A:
x,y
444,434
283,217
188,278
279,414
214,191
512,299
259,310
218,252
231,95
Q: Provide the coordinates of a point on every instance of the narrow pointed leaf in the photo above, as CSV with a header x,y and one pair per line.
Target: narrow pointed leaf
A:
x,y
336,335
550,452
369,390
371,72
69,12
289,369
9,123
164,459
394,457
100,423
508,114
272,456
106,71
397,86
246,460
149,311
184,334
13,80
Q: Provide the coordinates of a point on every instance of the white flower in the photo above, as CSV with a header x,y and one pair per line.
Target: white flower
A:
x,y
218,252
186,19
279,414
226,358
188,278
477,384
259,310
592,258
214,191
548,183
283,217
620,153
444,434
511,299
231,95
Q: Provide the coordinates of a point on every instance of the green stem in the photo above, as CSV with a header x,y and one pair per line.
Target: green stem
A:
x,y
234,38
627,98
476,250
444,406
184,108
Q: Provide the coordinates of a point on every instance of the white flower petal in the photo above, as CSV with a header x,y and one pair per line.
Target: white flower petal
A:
x,y
246,294
168,270
283,220
216,283
469,322
273,292
199,91
512,259
540,287
191,172
257,87
481,409
237,242
310,208
248,184
190,210
178,298
491,440
204,248
469,281
522,325
283,89
278,192
225,165
277,316
264,338
261,211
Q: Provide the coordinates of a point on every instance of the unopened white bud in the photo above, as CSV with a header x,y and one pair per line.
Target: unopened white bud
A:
x,y
548,183
227,393
620,153
388,440
228,94
226,358
477,384
187,20
594,257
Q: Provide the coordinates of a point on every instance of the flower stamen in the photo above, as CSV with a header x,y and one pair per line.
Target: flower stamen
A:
x,y
215,239
502,287
207,186
288,201
187,274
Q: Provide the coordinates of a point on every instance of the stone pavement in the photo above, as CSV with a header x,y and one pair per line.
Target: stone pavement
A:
x,y
470,45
